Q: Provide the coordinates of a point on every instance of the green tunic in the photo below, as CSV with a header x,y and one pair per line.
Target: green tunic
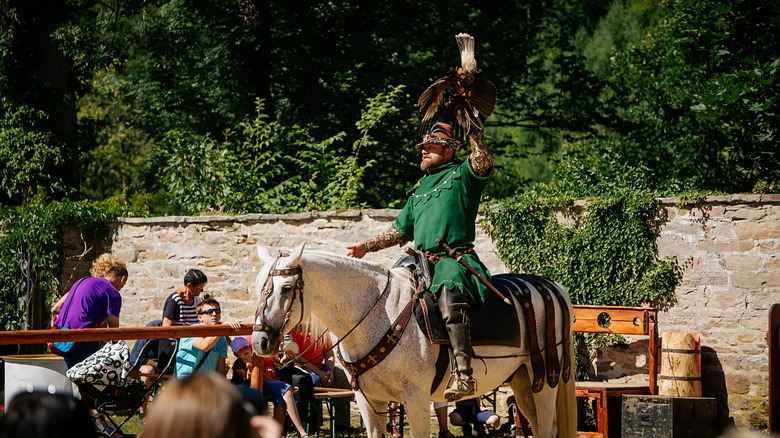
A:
x,y
445,204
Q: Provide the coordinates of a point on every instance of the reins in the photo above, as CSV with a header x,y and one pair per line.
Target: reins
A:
x,y
379,298
268,289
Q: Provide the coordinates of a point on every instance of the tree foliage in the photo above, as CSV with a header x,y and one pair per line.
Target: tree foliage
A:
x,y
685,89
697,98
265,167
31,247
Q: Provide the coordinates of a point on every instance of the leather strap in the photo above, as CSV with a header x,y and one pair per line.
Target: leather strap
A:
x,y
70,300
523,295
553,364
442,366
565,323
383,348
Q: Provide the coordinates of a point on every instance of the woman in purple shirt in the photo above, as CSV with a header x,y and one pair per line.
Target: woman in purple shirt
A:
x,y
91,302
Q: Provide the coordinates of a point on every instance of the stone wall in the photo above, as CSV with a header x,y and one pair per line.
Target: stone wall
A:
x,y
729,245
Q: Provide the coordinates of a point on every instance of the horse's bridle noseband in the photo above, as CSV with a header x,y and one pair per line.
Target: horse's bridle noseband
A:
x,y
268,288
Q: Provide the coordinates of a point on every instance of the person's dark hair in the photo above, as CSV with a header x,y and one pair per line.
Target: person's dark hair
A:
x,y
44,415
206,302
195,277
119,271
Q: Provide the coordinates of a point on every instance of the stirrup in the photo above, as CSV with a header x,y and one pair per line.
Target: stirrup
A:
x,y
460,386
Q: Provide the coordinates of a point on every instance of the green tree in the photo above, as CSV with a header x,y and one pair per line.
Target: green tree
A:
x,y
267,168
696,98
38,142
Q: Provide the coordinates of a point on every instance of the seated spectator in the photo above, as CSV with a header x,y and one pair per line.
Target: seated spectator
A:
x,y
318,359
472,411
206,353
180,308
275,391
93,301
205,405
44,415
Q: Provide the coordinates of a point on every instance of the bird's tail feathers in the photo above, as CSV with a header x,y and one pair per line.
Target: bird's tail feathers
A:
x,y
466,47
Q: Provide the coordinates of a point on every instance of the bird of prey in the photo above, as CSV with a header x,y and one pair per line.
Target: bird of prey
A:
x,y
470,97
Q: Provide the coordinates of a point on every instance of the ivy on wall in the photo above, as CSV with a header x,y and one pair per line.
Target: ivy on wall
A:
x,y
604,252
31,247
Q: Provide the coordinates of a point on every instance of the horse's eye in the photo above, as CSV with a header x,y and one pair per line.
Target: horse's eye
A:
x,y
286,289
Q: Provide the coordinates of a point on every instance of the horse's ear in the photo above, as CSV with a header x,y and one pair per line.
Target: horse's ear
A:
x,y
263,254
296,255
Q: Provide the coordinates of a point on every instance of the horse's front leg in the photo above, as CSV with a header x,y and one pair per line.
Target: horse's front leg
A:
x,y
418,413
375,425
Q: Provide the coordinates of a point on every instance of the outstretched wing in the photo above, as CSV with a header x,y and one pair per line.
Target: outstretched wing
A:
x,y
431,100
471,99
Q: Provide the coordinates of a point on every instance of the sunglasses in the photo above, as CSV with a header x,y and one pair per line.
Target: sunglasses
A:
x,y
210,311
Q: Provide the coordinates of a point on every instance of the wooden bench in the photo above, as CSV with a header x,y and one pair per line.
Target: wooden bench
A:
x,y
606,396
328,394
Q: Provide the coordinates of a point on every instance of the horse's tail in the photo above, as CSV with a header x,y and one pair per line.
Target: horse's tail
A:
x,y
566,408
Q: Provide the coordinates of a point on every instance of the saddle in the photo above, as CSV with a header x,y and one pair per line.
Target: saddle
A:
x,y
495,323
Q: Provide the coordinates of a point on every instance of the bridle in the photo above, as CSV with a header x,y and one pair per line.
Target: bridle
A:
x,y
268,288
297,290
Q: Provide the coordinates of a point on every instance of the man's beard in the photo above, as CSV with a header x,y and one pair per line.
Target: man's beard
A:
x,y
429,165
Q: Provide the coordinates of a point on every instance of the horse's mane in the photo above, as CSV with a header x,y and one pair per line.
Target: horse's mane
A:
x,y
397,274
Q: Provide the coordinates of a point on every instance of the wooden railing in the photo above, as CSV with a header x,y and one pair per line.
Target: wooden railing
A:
x,y
111,334
117,333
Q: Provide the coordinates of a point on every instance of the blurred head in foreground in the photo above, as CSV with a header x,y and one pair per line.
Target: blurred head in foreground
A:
x,y
202,405
44,415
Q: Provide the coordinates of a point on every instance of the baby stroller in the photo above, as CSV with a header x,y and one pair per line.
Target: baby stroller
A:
x,y
104,383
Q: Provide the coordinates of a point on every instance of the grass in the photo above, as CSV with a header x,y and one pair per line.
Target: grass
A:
x,y
132,428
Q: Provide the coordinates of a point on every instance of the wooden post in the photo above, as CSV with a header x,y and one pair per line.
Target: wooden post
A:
x,y
680,365
773,339
258,374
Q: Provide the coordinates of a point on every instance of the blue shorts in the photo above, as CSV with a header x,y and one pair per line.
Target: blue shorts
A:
x,y
273,390
470,414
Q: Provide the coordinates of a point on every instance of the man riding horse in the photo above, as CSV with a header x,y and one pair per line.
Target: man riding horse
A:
x,y
444,204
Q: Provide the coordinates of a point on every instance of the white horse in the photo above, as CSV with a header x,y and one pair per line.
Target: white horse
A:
x,y
358,301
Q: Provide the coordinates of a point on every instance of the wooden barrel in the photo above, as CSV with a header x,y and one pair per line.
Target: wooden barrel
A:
x,y
680,365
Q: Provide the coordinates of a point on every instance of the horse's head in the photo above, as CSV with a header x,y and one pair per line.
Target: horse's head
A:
x,y
282,305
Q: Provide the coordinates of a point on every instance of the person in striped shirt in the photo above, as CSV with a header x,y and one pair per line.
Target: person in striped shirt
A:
x,y
180,307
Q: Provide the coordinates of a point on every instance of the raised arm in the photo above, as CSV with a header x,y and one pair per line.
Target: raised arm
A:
x,y
481,159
